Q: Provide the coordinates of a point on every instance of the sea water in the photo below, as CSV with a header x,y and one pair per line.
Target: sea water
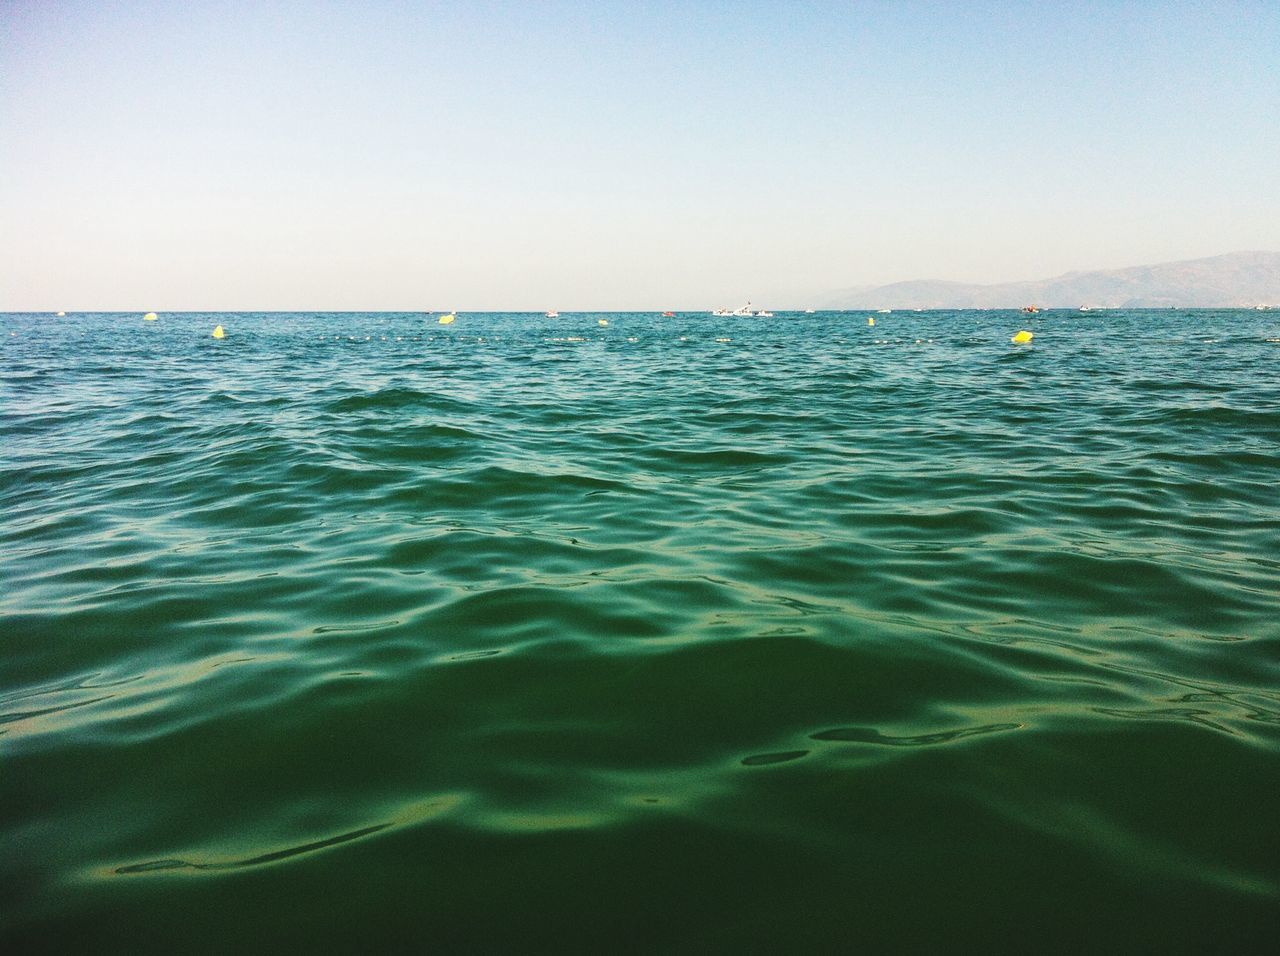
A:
x,y
365,633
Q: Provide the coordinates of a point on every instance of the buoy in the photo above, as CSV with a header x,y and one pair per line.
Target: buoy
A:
x,y
871,320
218,333
1022,337
602,321
446,319
149,317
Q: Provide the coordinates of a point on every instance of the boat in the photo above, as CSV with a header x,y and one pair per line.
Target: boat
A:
x,y
668,315
553,314
763,314
1031,308
808,311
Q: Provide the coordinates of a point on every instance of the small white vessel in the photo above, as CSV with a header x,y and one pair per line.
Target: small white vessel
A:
x,y
764,315
553,314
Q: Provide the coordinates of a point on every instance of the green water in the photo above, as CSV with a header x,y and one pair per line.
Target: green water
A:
x,y
361,633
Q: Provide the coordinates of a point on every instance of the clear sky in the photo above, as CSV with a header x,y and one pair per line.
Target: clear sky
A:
x,y
594,155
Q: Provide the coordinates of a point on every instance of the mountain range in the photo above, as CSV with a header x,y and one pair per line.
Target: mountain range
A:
x,y
1237,279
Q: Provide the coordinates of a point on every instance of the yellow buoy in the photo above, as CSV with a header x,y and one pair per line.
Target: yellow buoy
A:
x,y
446,319
871,320
149,317
1022,337
218,333
602,321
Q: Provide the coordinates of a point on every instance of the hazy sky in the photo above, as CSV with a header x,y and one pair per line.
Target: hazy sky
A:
x,y
471,155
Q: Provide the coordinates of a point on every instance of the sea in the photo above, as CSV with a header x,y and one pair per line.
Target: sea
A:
x,y
623,632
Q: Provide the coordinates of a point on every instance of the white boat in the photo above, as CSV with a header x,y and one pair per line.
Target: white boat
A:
x,y
745,311
764,315
553,314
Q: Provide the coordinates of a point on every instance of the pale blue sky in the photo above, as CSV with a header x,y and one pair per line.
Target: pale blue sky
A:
x,y
388,155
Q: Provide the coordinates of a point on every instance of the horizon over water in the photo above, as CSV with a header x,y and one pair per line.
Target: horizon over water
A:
x,y
357,631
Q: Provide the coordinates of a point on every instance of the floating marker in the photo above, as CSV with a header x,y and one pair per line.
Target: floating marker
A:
x,y
217,332
871,320
602,321
446,319
149,317
1022,337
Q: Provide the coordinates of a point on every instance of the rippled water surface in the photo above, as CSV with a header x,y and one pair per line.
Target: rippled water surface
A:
x,y
366,633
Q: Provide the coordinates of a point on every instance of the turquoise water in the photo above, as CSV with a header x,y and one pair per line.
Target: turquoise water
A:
x,y
366,633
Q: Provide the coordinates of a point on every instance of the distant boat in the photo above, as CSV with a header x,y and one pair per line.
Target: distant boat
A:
x,y
745,310
553,314
1031,308
764,314
887,311
668,315
808,311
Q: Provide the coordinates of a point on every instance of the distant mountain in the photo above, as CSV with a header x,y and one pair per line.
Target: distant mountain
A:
x,y
1233,280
